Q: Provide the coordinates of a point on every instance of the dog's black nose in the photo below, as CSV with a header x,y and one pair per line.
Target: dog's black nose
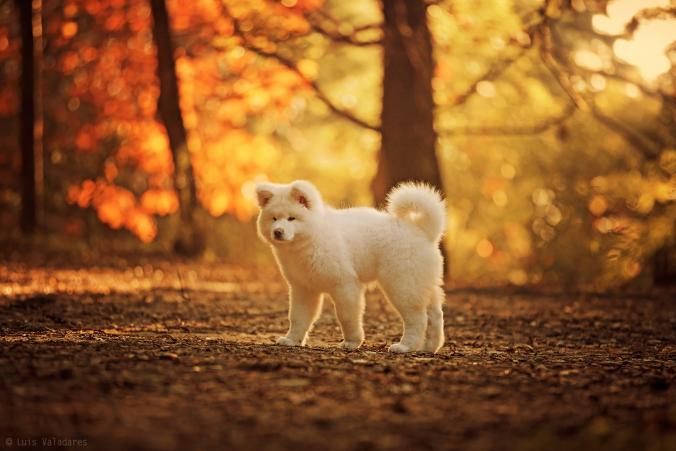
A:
x,y
278,234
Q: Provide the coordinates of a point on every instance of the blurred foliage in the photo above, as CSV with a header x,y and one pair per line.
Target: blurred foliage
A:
x,y
557,139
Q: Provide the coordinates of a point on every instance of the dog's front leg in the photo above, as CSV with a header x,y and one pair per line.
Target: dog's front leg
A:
x,y
349,302
304,309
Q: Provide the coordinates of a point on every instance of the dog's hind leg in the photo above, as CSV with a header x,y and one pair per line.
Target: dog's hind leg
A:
x,y
413,312
435,326
304,309
348,299
415,322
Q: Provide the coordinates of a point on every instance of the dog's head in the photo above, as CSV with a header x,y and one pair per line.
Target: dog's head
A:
x,y
287,211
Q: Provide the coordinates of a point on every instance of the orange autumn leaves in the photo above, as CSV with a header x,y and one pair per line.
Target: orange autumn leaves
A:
x,y
107,55
118,207
221,183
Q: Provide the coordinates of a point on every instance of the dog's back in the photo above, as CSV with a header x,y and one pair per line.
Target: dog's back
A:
x,y
379,240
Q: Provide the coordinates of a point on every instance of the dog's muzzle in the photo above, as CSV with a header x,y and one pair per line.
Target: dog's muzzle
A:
x,y
278,234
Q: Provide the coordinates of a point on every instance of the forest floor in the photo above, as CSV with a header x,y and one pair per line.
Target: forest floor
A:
x,y
174,356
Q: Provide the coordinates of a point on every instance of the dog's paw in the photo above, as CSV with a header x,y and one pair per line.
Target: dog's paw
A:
x,y
399,348
431,348
349,345
284,341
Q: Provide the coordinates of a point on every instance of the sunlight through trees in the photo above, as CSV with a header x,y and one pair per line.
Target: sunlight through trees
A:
x,y
549,125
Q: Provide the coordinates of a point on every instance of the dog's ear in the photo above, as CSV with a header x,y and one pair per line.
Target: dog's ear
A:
x,y
264,194
305,194
300,197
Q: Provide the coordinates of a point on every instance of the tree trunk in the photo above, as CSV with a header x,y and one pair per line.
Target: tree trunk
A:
x,y
189,240
408,138
27,119
663,269
407,122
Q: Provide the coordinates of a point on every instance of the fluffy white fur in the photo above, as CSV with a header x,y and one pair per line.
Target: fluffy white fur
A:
x,y
321,250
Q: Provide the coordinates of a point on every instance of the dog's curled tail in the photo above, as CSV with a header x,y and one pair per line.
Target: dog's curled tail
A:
x,y
420,204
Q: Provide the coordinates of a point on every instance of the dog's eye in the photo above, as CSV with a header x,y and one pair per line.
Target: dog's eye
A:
x,y
291,218
274,218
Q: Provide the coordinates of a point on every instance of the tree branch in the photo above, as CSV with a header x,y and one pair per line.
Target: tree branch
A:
x,y
336,23
517,130
335,35
635,139
498,68
491,74
562,72
649,14
291,65
319,92
619,77
586,33
350,39
544,37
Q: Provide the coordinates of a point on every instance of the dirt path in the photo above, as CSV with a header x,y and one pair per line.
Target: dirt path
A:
x,y
140,358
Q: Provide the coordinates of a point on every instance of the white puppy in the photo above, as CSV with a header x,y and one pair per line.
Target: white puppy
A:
x,y
321,250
